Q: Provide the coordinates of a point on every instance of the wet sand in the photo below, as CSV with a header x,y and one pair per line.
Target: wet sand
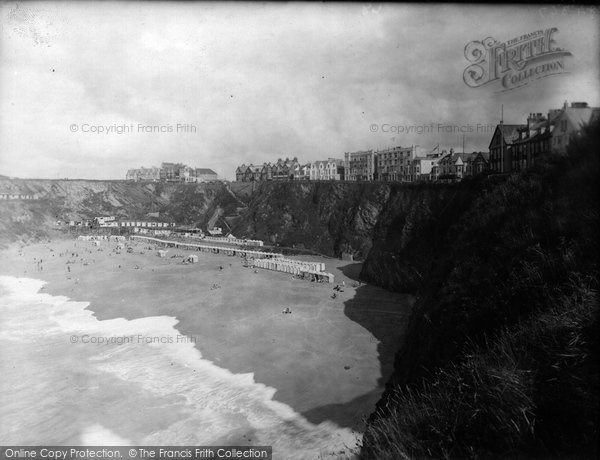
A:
x,y
322,363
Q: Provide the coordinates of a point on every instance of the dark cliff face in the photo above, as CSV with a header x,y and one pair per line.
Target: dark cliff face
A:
x,y
501,352
329,218
397,228
64,200
413,228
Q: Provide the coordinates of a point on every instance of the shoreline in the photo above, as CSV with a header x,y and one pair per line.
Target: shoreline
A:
x,y
321,364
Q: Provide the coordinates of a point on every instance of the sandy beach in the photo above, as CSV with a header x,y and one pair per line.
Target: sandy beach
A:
x,y
327,360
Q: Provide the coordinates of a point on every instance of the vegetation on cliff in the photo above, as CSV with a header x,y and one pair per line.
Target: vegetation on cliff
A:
x,y
330,218
501,354
64,200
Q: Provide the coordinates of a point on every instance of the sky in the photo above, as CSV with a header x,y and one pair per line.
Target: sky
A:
x,y
90,90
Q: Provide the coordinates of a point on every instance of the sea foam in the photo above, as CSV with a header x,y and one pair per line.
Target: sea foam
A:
x,y
133,392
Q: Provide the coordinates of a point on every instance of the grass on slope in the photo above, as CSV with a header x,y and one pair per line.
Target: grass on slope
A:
x,y
501,357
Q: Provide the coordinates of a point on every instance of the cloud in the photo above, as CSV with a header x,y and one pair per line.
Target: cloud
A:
x,y
257,81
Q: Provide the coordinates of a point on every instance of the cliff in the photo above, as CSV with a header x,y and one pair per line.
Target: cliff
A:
x,y
63,200
329,218
500,353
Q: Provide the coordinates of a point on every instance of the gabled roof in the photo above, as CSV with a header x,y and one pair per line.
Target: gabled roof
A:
x,y
465,157
484,155
445,156
577,116
425,159
205,171
281,166
534,131
509,132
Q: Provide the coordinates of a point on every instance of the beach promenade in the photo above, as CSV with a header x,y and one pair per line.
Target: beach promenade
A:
x,y
310,270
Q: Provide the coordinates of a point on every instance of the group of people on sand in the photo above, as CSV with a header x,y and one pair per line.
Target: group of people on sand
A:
x,y
338,288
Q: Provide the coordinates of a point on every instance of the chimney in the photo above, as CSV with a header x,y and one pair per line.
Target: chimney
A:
x,y
534,118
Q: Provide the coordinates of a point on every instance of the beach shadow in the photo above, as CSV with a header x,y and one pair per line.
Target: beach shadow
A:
x,y
351,414
351,270
386,320
383,316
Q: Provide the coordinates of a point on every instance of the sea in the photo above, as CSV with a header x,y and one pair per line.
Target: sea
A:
x,y
69,379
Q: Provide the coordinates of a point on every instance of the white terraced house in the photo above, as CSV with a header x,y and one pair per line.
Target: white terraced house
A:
x,y
325,170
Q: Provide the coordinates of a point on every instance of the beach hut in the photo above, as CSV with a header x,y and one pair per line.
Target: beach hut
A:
x,y
192,259
96,243
162,253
